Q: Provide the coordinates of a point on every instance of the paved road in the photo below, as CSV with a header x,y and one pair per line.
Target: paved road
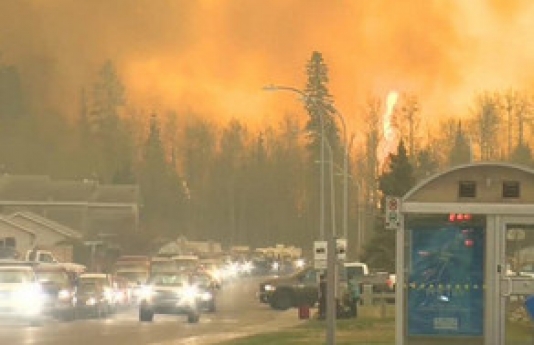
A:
x,y
239,313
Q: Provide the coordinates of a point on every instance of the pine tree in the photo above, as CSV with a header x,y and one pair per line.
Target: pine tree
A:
x,y
461,152
111,140
522,154
427,164
319,104
397,180
161,188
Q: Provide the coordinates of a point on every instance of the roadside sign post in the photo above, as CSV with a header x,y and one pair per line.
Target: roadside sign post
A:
x,y
341,249
331,292
320,255
392,213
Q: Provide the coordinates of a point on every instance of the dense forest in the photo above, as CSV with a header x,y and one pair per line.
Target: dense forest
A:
x,y
230,183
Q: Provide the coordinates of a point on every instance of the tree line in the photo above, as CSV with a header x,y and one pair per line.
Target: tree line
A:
x,y
236,185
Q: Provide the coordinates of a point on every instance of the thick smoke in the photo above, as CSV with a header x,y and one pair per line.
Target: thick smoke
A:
x,y
213,57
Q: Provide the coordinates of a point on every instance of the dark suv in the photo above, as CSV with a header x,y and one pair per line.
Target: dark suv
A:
x,y
300,288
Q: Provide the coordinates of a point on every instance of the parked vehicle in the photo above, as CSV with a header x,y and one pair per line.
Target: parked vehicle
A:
x,y
58,289
40,256
285,292
169,293
380,281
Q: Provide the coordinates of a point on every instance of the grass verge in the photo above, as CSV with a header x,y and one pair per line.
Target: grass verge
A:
x,y
351,331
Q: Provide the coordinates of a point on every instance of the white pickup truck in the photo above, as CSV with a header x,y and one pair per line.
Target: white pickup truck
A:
x,y
46,256
381,281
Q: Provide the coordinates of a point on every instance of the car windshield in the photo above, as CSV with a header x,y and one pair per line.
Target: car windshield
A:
x,y
15,276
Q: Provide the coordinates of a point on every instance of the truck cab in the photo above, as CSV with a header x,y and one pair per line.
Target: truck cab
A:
x,y
300,288
38,255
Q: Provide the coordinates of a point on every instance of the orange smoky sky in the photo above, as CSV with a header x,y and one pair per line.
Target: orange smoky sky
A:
x,y
212,57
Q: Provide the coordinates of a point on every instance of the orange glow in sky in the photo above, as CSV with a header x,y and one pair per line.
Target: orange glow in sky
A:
x,y
212,58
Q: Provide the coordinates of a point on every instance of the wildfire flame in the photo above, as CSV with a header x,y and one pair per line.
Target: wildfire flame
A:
x,y
389,142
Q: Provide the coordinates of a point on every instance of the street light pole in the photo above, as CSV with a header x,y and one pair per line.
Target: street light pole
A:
x,y
331,269
331,257
322,184
345,173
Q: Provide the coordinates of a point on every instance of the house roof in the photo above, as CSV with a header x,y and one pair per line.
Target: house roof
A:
x,y
5,220
45,223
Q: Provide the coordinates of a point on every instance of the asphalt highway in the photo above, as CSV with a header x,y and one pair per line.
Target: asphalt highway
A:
x,y
239,313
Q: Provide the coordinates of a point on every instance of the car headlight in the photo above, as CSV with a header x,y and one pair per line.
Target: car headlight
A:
x,y
63,294
190,293
146,292
216,274
247,267
29,298
90,301
27,293
206,296
300,263
269,287
108,294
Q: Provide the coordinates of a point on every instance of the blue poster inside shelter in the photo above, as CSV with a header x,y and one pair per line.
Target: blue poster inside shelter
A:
x,y
446,281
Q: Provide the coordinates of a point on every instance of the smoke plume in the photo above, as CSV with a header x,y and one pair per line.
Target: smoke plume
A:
x,y
213,57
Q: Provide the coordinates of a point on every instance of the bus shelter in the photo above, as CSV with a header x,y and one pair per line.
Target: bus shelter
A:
x,y
465,257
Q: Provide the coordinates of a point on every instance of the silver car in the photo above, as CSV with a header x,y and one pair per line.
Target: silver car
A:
x,y
169,293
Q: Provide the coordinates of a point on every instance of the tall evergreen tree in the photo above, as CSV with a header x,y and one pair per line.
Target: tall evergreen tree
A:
x,y
461,152
397,180
162,189
319,105
197,153
486,126
12,98
227,185
426,164
110,137
522,154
